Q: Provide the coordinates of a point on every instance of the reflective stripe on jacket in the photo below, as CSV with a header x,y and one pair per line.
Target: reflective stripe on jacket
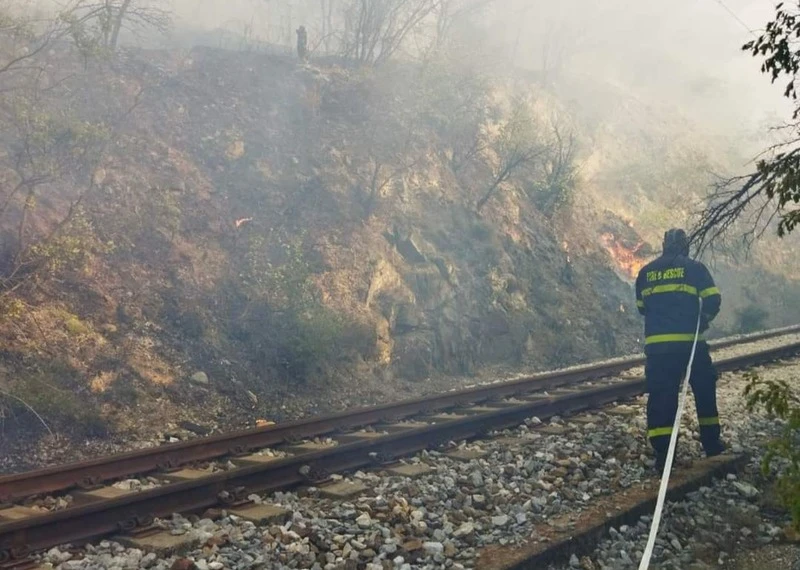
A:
x,y
666,294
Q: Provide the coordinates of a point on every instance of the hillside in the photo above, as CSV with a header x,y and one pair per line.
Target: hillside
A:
x,y
224,236
233,248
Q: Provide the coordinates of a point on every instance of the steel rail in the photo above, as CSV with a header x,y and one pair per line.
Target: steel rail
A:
x,y
104,517
85,522
753,337
90,473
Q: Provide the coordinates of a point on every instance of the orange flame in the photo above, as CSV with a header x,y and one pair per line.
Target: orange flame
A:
x,y
627,259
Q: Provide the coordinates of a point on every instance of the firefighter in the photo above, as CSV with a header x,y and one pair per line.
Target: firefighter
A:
x,y
302,43
667,293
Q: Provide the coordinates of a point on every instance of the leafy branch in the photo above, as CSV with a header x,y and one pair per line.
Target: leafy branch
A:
x,y
778,399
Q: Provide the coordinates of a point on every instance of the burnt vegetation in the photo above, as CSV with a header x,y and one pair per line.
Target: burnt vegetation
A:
x,y
121,256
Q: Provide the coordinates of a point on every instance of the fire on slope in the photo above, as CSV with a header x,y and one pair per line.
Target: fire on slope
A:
x,y
628,259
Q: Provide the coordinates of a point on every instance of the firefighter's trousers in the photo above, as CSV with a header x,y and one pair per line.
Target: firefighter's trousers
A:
x,y
664,374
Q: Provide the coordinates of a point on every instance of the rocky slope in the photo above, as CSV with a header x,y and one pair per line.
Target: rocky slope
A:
x,y
234,227
263,238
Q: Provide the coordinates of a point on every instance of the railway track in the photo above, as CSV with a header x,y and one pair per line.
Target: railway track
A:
x,y
363,437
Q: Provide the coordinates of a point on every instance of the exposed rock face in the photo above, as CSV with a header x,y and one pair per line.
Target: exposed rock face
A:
x,y
451,306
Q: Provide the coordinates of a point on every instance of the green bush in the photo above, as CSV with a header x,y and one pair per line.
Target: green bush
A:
x,y
310,339
783,454
553,197
76,327
283,320
69,249
302,343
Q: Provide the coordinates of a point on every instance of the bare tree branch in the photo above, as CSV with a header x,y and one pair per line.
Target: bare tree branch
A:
x,y
516,148
376,29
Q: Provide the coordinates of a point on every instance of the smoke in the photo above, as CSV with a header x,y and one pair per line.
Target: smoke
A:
x,y
685,54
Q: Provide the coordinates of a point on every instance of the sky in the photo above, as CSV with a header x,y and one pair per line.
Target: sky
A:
x,y
683,52
686,49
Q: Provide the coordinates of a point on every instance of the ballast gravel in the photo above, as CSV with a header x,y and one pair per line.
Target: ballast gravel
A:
x,y
532,476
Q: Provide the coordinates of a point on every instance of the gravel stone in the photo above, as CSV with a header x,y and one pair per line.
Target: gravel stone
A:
x,y
443,519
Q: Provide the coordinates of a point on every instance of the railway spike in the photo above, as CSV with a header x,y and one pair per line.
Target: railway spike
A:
x,y
292,438
127,525
89,482
145,520
233,496
226,497
238,451
382,457
436,442
168,464
314,475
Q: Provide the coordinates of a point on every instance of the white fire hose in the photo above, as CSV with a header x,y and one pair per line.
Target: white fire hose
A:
x,y
673,440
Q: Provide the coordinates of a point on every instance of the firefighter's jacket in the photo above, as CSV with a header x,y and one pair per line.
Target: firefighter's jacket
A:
x,y
667,292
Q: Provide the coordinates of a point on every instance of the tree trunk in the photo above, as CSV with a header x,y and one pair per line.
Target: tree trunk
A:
x,y
323,10
482,202
328,25
23,222
117,26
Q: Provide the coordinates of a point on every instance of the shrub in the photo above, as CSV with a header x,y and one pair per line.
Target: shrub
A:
x,y
783,454
284,321
76,327
11,308
69,249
